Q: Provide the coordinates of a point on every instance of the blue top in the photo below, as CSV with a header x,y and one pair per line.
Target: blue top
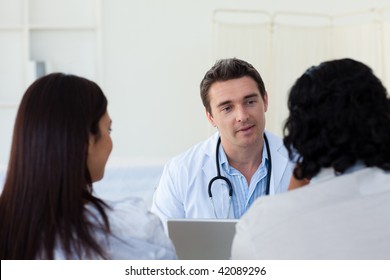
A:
x,y
244,195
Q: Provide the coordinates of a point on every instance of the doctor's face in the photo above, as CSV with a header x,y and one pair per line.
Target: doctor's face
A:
x,y
238,111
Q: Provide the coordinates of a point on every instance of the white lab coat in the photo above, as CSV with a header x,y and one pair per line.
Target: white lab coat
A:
x,y
183,188
334,217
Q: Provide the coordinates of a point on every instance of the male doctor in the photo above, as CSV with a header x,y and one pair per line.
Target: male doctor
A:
x,y
235,100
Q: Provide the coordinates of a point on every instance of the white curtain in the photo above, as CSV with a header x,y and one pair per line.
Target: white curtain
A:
x,y
251,41
244,35
295,48
283,46
386,48
360,37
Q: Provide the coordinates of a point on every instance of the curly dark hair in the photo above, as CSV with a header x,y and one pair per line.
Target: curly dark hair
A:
x,y
339,114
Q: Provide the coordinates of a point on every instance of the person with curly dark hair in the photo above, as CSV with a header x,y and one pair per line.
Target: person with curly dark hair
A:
x,y
338,133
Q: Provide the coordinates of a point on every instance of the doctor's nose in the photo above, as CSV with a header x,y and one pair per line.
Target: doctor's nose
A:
x,y
242,115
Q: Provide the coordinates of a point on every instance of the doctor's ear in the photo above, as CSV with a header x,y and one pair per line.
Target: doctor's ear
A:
x,y
265,99
210,118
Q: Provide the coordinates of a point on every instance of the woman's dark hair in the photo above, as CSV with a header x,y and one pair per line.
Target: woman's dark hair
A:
x,y
48,184
228,69
339,114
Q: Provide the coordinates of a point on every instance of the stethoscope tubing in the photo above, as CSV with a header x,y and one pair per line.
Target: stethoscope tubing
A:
x,y
220,177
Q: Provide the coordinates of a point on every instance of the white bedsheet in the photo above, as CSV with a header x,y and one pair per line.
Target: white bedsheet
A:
x,y
130,177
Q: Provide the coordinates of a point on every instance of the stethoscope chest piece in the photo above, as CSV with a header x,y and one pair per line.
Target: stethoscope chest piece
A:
x,y
229,184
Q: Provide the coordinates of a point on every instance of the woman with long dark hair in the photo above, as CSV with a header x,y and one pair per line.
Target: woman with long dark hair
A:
x,y
60,146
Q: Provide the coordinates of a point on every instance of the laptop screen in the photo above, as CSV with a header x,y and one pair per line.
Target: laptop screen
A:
x,y
202,239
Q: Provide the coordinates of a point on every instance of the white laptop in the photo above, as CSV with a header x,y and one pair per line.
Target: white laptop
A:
x,y
202,239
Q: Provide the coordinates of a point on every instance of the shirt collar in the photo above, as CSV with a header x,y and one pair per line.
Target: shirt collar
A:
x,y
226,166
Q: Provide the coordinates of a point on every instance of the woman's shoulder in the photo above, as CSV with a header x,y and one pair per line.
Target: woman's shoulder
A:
x,y
130,214
136,233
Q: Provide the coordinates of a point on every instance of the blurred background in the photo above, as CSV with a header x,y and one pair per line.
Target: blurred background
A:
x,y
149,56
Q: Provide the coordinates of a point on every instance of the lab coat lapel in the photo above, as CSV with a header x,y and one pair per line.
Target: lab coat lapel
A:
x,y
279,163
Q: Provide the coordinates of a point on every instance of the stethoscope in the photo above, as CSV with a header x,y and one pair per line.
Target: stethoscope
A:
x,y
227,181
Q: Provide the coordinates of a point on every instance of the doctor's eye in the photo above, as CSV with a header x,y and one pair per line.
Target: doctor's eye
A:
x,y
251,101
226,109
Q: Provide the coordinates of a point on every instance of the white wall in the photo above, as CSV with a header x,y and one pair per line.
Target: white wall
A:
x,y
154,55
